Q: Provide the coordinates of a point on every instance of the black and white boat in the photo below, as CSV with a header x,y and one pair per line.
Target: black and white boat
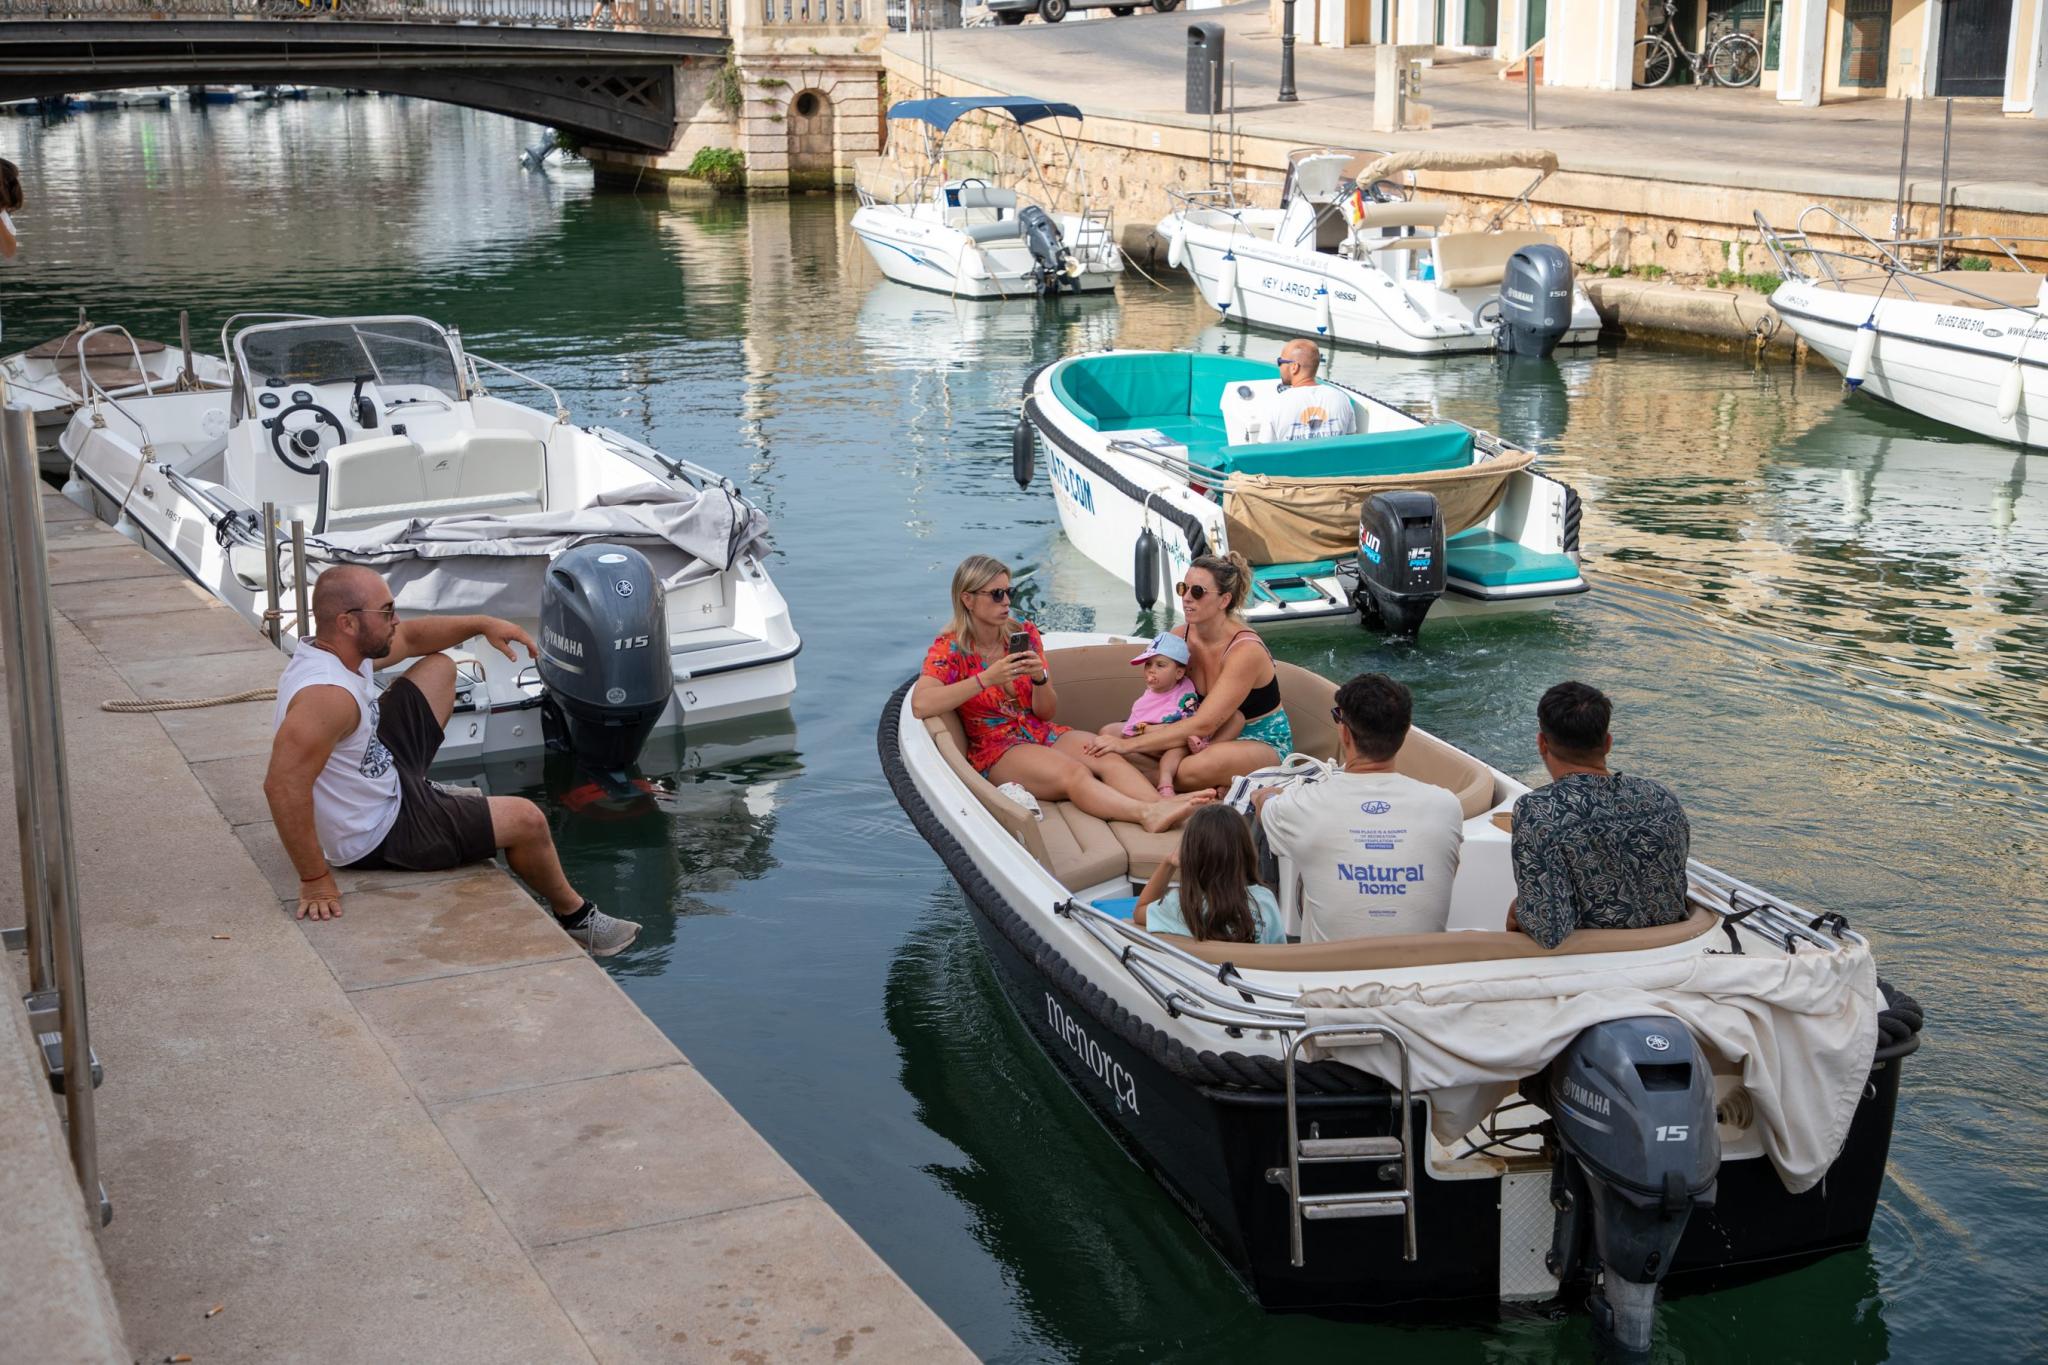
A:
x,y
1342,1120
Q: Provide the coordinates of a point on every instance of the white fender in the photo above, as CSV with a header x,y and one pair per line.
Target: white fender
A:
x,y
1861,353
2009,394
1176,252
1322,312
1226,283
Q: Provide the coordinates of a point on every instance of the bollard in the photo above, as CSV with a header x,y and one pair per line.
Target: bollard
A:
x,y
299,576
273,613
1905,147
1287,95
1529,79
1948,123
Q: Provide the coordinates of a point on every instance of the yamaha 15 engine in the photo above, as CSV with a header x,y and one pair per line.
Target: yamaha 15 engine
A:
x,y
604,656
1050,262
1400,560
1535,301
1634,1104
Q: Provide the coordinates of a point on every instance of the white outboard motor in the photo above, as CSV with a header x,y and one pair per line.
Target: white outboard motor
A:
x,y
604,656
1535,301
1051,266
1400,560
1633,1100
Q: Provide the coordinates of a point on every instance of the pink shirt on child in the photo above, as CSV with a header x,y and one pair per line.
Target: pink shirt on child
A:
x,y
1158,708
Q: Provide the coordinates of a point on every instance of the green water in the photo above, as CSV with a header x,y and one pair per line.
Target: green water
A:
x,y
1821,621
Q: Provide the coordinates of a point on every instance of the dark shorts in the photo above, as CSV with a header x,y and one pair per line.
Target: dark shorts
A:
x,y
437,828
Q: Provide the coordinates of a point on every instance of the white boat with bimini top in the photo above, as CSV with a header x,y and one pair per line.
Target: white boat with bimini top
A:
x,y
1352,256
1157,457
1345,1121
1966,347
51,377
641,575
968,226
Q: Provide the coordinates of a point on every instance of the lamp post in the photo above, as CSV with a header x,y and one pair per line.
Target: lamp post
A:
x,y
1287,95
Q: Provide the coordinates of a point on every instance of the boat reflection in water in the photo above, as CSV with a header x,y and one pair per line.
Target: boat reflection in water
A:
x,y
668,840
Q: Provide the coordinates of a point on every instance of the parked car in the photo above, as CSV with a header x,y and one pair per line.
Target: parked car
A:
x,y
1052,11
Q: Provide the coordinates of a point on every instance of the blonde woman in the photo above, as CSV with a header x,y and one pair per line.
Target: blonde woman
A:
x,y
1006,703
1234,674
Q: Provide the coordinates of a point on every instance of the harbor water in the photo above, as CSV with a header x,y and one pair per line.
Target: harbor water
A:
x,y
1821,620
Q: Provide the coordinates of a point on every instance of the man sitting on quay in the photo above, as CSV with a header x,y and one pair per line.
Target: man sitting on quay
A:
x,y
1376,850
1594,849
348,771
1304,409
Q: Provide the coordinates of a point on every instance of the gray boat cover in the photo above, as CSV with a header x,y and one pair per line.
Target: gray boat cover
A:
x,y
494,565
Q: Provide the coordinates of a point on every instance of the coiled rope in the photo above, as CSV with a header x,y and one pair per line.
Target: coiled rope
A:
x,y
136,708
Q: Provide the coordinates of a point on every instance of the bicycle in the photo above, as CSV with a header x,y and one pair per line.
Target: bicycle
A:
x,y
1733,59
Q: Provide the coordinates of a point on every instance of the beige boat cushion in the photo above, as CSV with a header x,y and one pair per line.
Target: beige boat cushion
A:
x,y
1407,213
1468,260
1079,850
2010,288
1427,950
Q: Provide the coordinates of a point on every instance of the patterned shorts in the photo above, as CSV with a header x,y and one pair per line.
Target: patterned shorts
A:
x,y
1272,730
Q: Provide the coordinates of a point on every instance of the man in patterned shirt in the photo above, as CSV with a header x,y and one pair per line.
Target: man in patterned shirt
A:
x,y
1594,849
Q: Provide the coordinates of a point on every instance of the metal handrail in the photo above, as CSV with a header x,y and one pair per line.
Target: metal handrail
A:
x,y
85,373
561,413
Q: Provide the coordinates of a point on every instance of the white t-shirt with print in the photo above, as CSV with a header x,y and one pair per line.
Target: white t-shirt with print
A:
x,y
1376,853
1303,412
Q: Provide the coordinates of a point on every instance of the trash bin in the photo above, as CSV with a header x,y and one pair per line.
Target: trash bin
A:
x,y
1205,68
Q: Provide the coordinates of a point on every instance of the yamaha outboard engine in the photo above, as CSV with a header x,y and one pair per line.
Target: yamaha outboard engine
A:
x,y
604,656
1400,560
1633,1100
1535,301
1051,265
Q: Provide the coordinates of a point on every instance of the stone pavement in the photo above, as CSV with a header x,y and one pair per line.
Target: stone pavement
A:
x,y
430,1130
1136,68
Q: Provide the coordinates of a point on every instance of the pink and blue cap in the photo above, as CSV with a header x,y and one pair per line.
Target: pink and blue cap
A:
x,y
1167,646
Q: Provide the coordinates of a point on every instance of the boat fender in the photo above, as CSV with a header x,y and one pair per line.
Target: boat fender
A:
x,y
1226,283
1322,311
2010,392
1023,454
1145,569
1860,354
1176,252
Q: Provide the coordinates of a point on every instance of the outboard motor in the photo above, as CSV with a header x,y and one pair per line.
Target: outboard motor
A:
x,y
1051,265
1633,1100
1535,301
604,656
1400,560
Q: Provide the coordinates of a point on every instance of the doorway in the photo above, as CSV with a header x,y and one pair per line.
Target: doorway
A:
x,y
1538,17
810,142
1482,23
1974,34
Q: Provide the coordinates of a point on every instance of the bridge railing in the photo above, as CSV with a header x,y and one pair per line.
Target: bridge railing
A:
x,y
792,13
593,14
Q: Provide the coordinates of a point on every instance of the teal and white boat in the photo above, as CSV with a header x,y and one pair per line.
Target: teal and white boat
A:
x,y
1156,457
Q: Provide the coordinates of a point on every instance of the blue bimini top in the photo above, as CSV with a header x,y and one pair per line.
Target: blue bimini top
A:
x,y
944,113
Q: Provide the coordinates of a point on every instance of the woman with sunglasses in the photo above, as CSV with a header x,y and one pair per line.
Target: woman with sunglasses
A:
x,y
1235,676
1006,704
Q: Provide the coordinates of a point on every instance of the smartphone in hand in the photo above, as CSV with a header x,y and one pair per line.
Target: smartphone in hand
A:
x,y
1020,642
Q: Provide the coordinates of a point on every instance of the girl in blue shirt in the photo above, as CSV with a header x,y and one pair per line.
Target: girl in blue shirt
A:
x,y
1219,895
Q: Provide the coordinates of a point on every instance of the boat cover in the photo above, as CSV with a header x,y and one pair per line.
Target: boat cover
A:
x,y
944,113
494,564
1399,163
1801,1027
1275,520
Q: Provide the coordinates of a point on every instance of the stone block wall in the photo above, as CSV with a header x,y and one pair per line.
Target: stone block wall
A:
x,y
807,117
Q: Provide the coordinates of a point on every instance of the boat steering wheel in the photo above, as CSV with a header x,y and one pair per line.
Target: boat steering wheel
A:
x,y
1387,191
300,445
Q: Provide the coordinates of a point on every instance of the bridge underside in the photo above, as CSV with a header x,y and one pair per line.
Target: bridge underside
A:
x,y
607,87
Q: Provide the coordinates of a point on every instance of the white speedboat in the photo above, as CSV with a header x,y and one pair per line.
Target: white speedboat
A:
x,y
1966,347
965,228
1156,457
1351,256
1340,1119
378,435
51,377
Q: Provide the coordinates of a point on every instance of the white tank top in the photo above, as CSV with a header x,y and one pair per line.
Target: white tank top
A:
x,y
355,797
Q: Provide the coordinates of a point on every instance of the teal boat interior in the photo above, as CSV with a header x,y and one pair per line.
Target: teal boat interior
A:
x,y
1181,396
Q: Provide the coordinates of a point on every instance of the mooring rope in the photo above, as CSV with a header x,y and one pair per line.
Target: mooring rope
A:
x,y
188,703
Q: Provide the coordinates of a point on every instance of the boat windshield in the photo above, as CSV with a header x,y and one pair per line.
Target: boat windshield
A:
x,y
387,351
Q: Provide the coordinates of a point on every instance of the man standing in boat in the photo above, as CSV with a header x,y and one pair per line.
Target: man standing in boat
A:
x,y
1304,409
348,769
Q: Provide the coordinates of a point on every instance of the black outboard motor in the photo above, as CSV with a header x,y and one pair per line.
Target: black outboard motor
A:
x,y
604,656
1634,1104
1535,301
1050,268
1400,560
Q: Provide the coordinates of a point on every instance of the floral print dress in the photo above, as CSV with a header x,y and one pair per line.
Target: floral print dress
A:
x,y
996,719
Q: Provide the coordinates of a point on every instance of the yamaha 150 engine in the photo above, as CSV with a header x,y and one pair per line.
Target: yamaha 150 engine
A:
x,y
1051,266
1400,560
604,656
1535,301
1634,1104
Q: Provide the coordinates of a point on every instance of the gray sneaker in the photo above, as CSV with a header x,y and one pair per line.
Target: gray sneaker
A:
x,y
602,936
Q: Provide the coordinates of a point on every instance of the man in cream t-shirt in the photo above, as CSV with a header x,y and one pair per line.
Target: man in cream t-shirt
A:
x,y
1376,852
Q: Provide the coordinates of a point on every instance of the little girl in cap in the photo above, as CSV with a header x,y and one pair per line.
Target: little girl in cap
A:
x,y
1168,697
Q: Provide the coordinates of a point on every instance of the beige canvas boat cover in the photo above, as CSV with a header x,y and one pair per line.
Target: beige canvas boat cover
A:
x,y
1400,163
1289,521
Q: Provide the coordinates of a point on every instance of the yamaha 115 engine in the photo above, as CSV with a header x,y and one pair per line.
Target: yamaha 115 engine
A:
x,y
1400,560
1051,266
604,656
1535,301
1634,1104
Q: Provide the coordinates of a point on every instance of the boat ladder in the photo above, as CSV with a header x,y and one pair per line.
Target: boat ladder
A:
x,y
1383,1202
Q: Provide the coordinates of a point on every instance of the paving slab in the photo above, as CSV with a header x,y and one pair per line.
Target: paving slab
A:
x,y
236,786
410,931
95,602
260,840
93,562
177,635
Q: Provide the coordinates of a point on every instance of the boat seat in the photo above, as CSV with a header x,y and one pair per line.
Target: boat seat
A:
x,y
1471,260
985,197
365,478
1429,950
2011,288
1076,848
1365,454
482,472
1008,230
1406,213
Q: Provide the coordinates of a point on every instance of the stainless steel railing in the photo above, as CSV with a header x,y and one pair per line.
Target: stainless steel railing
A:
x,y
42,797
